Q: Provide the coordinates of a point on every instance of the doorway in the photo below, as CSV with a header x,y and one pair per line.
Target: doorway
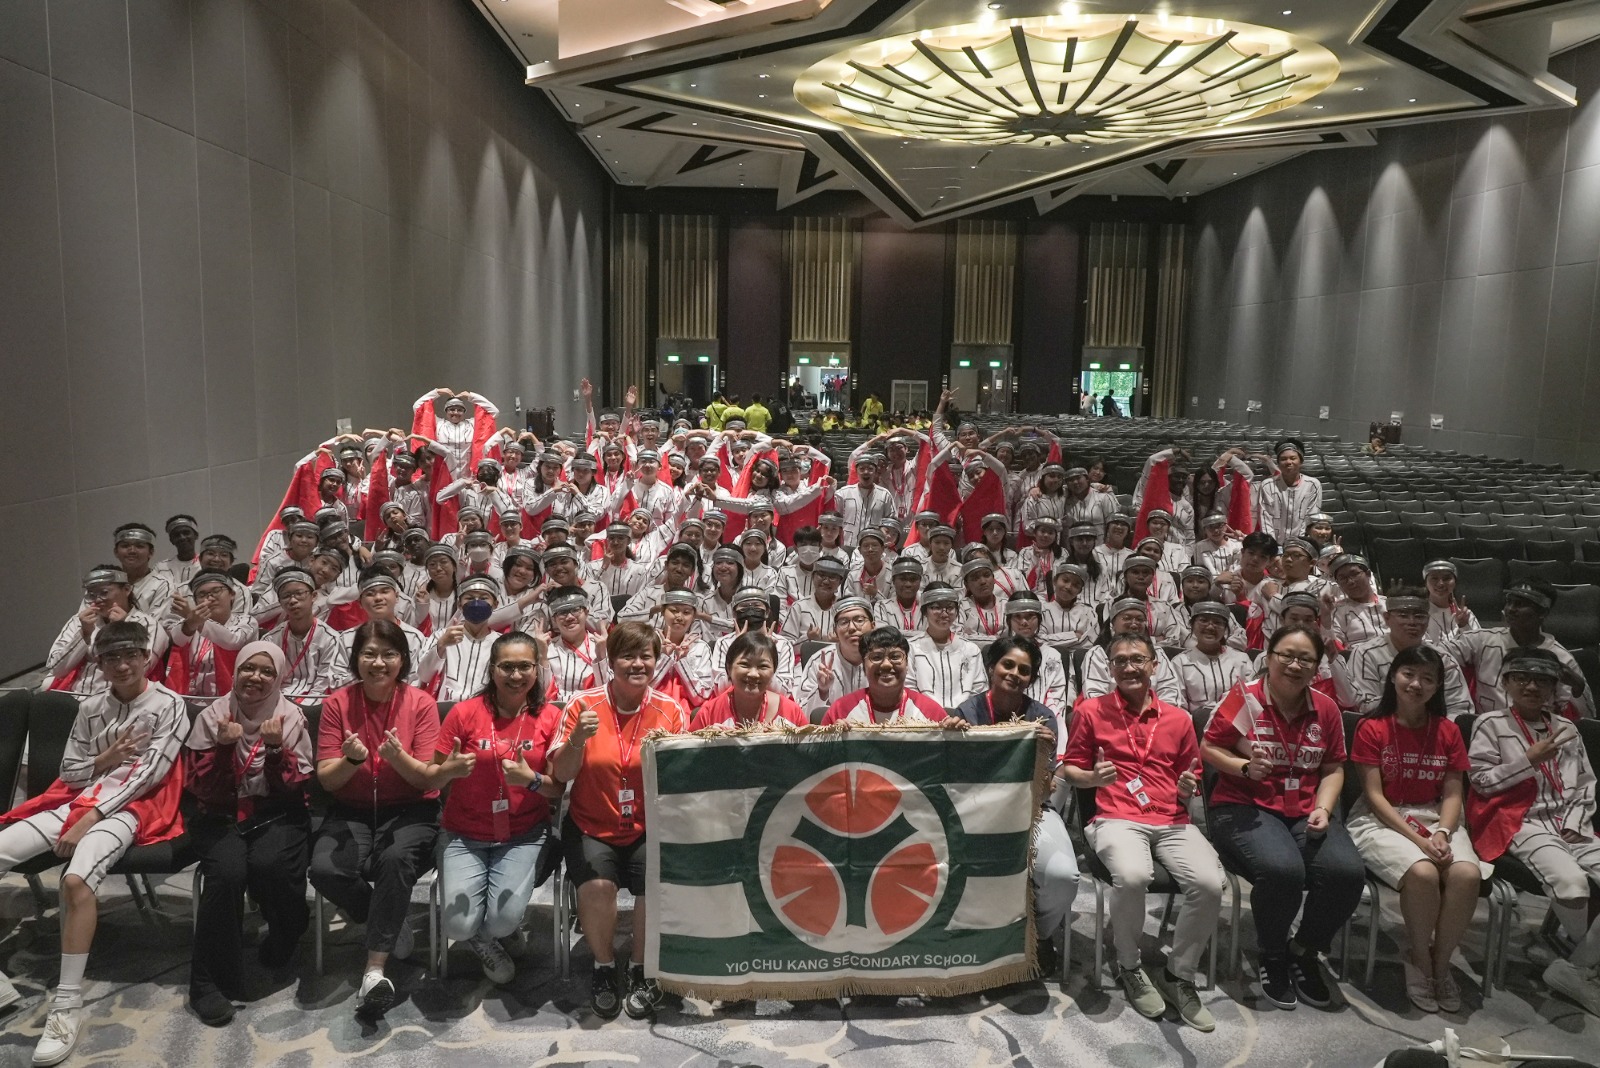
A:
x,y
981,378
686,369
1115,373
818,378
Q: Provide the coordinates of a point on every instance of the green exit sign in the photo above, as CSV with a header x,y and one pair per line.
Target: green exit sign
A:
x,y
963,363
805,360
703,358
1124,366
673,358
995,363
1094,367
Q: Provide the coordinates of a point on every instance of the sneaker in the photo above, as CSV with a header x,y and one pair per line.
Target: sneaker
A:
x,y
1181,995
212,1007
515,944
60,1035
603,992
1142,993
404,942
9,994
1276,984
1574,983
1309,984
375,996
1421,989
644,995
497,966
1447,992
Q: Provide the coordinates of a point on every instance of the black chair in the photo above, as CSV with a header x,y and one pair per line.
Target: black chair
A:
x,y
1397,559
1589,550
1585,571
1374,531
1162,883
809,649
1500,547
1562,551
1482,583
1446,548
1575,618
1430,528
1549,570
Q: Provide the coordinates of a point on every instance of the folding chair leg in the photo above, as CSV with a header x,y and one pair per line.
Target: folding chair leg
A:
x,y
1066,948
1235,961
197,886
1216,936
438,944
318,929
1166,915
41,900
150,892
138,895
1099,933
1490,941
1372,931
1505,936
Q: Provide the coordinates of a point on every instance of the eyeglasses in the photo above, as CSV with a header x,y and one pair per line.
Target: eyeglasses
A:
x,y
1130,661
118,659
1289,660
385,656
886,656
294,596
263,671
516,667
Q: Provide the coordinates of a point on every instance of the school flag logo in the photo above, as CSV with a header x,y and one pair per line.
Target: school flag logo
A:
x,y
816,863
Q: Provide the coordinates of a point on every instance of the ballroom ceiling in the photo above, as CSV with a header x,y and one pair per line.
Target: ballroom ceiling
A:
x,y
935,109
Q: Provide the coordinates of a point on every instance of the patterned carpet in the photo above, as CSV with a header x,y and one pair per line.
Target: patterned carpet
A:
x,y
138,976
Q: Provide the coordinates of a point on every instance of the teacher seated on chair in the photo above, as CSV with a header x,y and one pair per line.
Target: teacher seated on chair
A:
x,y
598,750
1279,745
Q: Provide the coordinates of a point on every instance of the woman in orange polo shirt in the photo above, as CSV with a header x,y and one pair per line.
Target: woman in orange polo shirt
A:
x,y
597,749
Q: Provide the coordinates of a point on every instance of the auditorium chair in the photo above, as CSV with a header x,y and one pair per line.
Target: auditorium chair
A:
x,y
1396,560
1429,527
1501,548
1081,812
1446,548
1575,618
1518,571
1560,551
1584,571
1482,583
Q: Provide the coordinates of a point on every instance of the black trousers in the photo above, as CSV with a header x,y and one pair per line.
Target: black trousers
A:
x,y
270,862
367,863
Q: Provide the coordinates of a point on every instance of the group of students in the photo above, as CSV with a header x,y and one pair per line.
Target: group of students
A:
x,y
931,585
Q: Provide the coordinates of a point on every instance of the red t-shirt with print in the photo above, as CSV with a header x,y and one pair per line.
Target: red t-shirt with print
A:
x,y
1298,750
1413,763
469,807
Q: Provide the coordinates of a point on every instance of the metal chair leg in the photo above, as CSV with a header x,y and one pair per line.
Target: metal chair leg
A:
x,y
1099,933
1216,936
1372,931
1066,947
1491,939
138,895
438,944
1234,960
319,928
197,886
1166,914
41,900
150,892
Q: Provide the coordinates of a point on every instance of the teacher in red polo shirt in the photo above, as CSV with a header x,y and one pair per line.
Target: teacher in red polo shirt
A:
x,y
1279,745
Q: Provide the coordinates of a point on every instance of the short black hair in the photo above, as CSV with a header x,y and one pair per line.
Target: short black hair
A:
x,y
751,641
883,638
807,535
386,632
1135,638
1260,542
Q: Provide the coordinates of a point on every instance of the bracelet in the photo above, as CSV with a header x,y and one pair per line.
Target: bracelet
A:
x,y
538,781
356,763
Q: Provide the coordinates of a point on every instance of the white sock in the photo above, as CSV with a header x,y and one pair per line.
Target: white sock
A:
x,y
1587,955
69,993
1574,919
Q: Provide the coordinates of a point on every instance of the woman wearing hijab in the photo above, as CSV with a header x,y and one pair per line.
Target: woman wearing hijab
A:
x,y
248,766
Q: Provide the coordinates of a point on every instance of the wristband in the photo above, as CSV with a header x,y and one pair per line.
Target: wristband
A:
x,y
356,763
538,781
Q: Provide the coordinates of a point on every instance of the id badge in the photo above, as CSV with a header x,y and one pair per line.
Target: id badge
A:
x,y
1143,799
1135,784
500,820
1418,826
625,796
1291,784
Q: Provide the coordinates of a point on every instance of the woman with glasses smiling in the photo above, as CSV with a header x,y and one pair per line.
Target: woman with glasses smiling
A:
x,y
378,836
1279,745
497,816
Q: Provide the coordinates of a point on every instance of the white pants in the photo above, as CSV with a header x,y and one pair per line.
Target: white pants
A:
x,y
1055,873
1564,867
99,849
1129,851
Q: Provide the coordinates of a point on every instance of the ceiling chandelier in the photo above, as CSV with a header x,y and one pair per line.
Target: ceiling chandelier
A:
x,y
1067,79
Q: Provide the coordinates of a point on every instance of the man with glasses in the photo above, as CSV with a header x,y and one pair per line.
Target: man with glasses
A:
x,y
118,787
317,658
886,697
837,670
1406,616
380,595
946,667
1128,616
1485,651
1140,756
577,660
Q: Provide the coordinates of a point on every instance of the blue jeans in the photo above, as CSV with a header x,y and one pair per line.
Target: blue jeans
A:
x,y
486,885
1282,861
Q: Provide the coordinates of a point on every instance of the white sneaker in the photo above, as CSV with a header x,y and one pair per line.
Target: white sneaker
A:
x,y
8,992
498,967
1573,983
60,1035
375,996
405,943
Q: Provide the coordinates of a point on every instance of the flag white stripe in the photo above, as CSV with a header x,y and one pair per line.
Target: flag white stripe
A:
x,y
990,901
702,911
992,807
702,816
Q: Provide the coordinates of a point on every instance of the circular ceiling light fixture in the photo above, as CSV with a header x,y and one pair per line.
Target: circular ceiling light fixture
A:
x,y
1062,79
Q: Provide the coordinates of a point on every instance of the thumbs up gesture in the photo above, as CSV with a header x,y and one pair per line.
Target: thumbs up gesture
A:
x,y
1105,772
1189,781
517,771
457,765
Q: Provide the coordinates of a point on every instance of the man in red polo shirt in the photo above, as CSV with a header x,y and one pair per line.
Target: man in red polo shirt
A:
x,y
1140,757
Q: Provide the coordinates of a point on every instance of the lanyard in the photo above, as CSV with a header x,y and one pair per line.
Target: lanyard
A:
x,y
900,713
1128,720
987,624
626,752
494,741
372,750
305,647
1429,746
1281,725
1549,777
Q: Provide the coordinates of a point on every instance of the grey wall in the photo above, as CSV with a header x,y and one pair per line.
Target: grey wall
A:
x,y
225,224
1449,270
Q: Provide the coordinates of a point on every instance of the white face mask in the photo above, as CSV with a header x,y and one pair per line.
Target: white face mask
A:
x,y
807,554
478,555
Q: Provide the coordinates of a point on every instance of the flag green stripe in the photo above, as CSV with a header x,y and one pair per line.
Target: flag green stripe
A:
x,y
697,767
683,956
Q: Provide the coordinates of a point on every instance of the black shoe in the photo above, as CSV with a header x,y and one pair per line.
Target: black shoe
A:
x,y
603,992
643,994
1276,984
213,1009
1049,958
1309,982
373,1001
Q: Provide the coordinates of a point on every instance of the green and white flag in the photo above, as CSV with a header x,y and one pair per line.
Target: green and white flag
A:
x,y
820,862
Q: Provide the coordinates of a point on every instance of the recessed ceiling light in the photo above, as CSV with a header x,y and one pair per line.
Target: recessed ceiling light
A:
x,y
1316,107
1288,12
996,7
761,75
694,124
761,96
1413,100
1359,89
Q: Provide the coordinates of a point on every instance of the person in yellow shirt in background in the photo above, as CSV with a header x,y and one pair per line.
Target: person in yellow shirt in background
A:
x,y
871,409
733,411
756,415
715,411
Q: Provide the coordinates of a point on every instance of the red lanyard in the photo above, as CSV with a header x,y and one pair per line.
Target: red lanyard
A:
x,y
1281,725
1553,779
872,713
388,713
1128,720
304,648
1429,746
987,624
578,651
908,616
624,753
514,749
